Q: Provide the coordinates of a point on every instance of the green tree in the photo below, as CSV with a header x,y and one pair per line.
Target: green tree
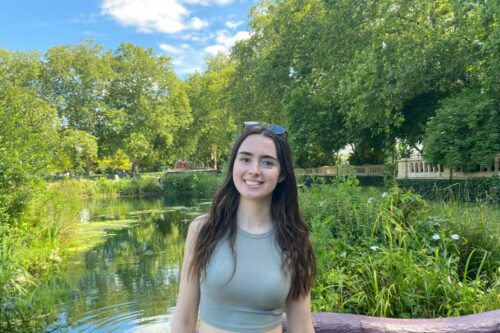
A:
x,y
78,151
213,125
465,132
137,147
76,79
28,133
372,73
152,103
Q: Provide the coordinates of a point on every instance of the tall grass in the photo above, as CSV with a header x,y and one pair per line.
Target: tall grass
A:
x,y
30,250
392,254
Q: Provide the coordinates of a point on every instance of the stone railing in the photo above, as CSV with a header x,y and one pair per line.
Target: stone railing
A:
x,y
360,170
487,322
417,168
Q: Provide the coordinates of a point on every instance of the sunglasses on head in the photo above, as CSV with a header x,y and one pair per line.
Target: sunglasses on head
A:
x,y
276,129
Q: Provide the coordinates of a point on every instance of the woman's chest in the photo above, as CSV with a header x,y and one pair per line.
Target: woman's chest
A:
x,y
258,279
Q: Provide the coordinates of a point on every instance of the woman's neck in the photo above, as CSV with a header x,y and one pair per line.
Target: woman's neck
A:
x,y
254,216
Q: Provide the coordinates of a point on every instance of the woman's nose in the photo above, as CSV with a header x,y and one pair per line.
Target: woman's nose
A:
x,y
254,168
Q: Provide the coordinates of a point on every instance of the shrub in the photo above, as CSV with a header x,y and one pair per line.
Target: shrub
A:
x,y
191,183
486,189
103,187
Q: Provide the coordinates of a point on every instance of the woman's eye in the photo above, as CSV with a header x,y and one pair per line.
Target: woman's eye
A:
x,y
245,159
268,163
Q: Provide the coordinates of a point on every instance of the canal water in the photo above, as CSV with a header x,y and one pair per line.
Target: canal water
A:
x,y
128,281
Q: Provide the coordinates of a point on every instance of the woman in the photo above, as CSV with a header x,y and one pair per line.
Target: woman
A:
x,y
250,258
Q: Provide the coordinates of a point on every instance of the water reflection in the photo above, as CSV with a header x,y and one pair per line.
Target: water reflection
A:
x,y
129,282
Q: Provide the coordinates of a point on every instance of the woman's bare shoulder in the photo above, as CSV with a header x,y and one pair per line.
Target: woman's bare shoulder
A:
x,y
198,222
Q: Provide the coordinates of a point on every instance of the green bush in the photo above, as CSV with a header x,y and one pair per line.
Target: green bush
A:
x,y
485,189
104,187
392,254
191,184
377,181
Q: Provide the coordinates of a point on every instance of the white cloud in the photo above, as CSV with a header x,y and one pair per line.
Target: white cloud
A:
x,y
225,41
174,50
208,2
233,24
214,49
185,58
202,37
197,23
178,61
167,16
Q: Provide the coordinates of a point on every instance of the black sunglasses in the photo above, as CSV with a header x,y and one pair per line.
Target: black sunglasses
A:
x,y
276,129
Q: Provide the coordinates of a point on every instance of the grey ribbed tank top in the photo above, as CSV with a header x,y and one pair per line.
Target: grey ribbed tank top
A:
x,y
253,301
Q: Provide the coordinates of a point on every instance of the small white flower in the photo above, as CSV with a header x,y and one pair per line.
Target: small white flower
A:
x,y
343,254
455,236
436,237
374,247
392,8
370,199
321,203
384,194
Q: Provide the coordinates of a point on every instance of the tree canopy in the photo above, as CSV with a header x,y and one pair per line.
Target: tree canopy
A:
x,y
335,73
363,72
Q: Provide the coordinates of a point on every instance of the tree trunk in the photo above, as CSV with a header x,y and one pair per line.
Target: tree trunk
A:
x,y
87,166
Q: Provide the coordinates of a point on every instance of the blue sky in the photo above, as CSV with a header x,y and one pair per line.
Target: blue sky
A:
x,y
186,30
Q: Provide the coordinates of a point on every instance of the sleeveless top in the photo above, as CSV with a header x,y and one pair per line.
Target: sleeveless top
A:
x,y
254,299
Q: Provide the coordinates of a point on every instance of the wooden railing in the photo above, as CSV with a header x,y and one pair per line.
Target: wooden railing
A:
x,y
487,322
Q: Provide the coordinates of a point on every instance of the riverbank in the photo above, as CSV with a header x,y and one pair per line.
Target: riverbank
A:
x,y
32,249
46,231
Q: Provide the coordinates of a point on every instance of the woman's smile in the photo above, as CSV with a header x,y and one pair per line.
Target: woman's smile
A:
x,y
253,182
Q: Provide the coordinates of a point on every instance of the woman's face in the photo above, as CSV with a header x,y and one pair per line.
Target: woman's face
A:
x,y
256,169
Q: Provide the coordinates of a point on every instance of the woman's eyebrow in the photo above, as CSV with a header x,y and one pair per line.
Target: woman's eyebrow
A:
x,y
245,153
251,154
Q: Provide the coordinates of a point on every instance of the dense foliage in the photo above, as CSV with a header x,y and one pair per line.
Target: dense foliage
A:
x,y
208,139
197,184
465,132
368,73
394,255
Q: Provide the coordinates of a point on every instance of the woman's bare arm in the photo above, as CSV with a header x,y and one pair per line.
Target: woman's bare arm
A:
x,y
298,315
186,311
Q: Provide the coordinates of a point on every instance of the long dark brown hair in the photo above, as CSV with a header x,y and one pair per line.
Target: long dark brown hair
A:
x,y
292,234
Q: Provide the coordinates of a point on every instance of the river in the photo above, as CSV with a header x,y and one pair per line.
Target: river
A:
x,y
128,281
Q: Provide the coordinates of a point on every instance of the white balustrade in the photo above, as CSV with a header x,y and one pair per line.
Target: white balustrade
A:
x,y
417,168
